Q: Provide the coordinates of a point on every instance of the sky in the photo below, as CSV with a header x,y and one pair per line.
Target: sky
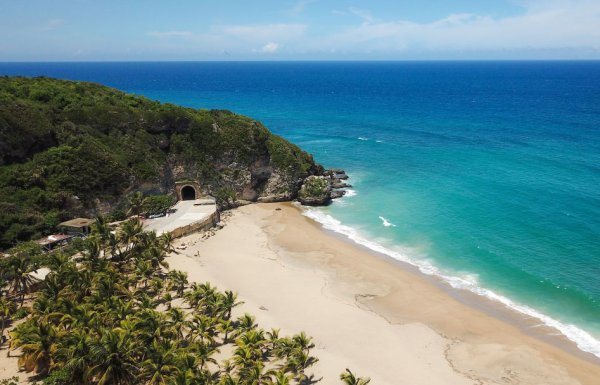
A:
x,y
155,30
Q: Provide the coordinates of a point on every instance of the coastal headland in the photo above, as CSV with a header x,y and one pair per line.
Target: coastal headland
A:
x,y
364,311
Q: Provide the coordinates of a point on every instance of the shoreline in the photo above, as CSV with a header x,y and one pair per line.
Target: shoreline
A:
x,y
462,341
529,325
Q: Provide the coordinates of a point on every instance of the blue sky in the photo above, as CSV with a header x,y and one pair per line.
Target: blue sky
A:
x,y
80,30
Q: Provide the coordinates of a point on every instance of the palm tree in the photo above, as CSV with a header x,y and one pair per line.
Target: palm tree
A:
x,y
204,353
202,328
226,327
230,380
281,378
18,271
137,203
166,243
298,362
350,379
129,235
101,228
112,357
303,342
177,320
227,302
6,308
57,261
255,341
161,368
246,322
74,352
37,341
273,338
178,281
255,374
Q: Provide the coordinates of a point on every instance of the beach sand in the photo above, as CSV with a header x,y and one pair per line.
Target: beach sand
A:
x,y
367,313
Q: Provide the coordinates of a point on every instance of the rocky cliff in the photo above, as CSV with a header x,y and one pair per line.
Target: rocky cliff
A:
x,y
74,148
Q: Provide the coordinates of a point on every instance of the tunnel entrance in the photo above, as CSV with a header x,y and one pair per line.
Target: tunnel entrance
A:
x,y
188,193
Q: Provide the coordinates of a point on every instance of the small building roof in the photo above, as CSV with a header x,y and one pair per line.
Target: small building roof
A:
x,y
77,222
50,239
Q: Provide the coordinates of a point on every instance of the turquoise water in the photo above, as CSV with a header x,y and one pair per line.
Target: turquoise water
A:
x,y
485,173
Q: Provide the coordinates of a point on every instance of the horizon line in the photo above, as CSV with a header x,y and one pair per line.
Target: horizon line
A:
x,y
293,61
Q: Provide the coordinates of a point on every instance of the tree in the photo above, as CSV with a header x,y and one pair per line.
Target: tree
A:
x,y
281,378
161,368
74,353
227,302
166,243
6,308
350,379
18,269
137,203
178,281
37,340
112,358
102,321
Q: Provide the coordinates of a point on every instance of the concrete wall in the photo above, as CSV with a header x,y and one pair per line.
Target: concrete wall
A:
x,y
205,224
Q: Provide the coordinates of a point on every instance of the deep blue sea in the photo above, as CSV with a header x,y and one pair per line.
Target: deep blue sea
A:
x,y
484,173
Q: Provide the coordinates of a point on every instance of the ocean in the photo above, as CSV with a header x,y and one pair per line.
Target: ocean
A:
x,y
486,174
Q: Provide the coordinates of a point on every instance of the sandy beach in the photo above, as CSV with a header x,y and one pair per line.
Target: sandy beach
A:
x,y
372,315
366,313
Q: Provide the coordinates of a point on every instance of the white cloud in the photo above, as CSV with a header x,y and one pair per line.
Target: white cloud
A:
x,y
557,25
269,48
169,34
261,32
547,26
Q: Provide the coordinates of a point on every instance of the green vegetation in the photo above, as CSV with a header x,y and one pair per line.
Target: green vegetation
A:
x,y
9,381
225,197
314,187
111,313
139,204
159,204
350,379
75,149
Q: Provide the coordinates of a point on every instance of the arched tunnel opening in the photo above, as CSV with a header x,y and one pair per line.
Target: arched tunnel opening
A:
x,y
188,193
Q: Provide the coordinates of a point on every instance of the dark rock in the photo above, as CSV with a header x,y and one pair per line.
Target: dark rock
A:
x,y
340,185
337,194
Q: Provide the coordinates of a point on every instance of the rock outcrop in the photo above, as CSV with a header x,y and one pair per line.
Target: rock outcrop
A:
x,y
315,191
320,190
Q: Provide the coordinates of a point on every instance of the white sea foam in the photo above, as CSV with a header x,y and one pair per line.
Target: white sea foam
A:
x,y
350,193
386,223
584,340
361,138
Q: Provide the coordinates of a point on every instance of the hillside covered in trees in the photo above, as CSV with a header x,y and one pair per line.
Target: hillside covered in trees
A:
x,y
73,149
